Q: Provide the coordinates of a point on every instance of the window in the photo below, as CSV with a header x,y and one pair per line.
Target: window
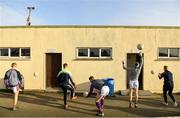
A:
x,y
174,52
169,53
94,53
25,51
4,52
83,52
105,52
15,53
163,52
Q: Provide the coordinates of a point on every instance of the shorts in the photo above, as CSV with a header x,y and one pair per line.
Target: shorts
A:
x,y
104,91
133,84
14,89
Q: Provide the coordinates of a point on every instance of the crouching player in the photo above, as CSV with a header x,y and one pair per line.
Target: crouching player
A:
x,y
102,91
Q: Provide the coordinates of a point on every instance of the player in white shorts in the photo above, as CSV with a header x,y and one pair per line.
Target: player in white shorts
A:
x,y
133,80
133,84
102,91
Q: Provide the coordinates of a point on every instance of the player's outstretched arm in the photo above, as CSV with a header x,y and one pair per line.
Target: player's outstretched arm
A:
x,y
123,65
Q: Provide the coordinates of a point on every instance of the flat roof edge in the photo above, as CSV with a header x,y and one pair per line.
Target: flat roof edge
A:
x,y
90,26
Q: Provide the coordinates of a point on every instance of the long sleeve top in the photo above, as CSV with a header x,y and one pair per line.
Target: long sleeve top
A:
x,y
96,84
64,78
135,72
168,78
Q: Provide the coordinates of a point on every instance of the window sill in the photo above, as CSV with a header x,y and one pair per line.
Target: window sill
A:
x,y
168,59
92,59
17,59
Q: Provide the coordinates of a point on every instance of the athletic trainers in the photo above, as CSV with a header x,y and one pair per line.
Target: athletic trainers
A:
x,y
74,97
165,103
100,114
136,105
175,104
20,90
14,108
65,106
130,104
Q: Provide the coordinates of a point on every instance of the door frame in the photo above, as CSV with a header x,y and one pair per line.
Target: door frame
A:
x,y
140,73
45,76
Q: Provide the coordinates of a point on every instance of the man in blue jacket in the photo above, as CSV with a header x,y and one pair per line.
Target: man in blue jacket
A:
x,y
168,85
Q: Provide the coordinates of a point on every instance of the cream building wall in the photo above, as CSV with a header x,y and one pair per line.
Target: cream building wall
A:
x,y
65,40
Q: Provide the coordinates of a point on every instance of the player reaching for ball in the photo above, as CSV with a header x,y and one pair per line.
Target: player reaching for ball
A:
x,y
102,92
133,80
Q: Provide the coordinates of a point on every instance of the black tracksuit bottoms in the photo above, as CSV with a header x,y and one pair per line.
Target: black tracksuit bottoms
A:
x,y
169,89
65,88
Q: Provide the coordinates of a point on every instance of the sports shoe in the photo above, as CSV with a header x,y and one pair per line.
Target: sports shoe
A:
x,y
175,104
65,106
74,97
14,108
166,104
20,90
136,105
130,104
100,114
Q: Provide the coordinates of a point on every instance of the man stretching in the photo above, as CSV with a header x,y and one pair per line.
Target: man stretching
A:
x,y
102,91
133,80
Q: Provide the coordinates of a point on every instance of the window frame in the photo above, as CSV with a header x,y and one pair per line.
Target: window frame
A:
x,y
77,54
11,52
25,56
168,57
98,53
178,52
15,57
89,57
4,56
105,56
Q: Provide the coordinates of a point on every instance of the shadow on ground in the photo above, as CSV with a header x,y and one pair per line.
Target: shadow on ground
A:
x,y
114,106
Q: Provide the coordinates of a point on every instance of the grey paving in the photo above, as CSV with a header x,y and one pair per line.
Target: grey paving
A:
x,y
40,104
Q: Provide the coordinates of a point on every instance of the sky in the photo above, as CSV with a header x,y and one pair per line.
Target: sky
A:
x,y
91,12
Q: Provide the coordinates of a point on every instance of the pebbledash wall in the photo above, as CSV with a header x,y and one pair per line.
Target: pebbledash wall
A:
x,y
161,47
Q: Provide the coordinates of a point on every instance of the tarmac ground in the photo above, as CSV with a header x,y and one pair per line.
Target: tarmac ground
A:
x,y
44,104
